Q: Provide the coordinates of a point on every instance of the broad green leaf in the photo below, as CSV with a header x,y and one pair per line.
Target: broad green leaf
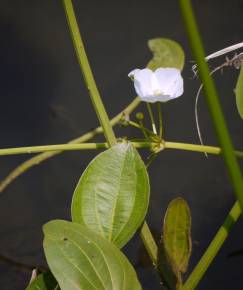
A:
x,y
81,259
112,195
177,234
44,281
239,93
166,53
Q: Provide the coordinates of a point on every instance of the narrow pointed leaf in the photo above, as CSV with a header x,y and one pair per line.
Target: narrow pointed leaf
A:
x,y
112,195
166,53
44,281
239,93
177,235
80,259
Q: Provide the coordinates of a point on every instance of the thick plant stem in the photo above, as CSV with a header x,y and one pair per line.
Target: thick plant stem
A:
x,y
87,73
214,247
90,82
225,142
213,100
22,168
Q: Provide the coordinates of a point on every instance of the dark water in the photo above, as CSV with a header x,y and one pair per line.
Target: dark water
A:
x,y
44,101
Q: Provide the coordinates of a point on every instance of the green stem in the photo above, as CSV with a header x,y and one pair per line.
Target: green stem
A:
x,y
193,147
225,142
214,247
146,132
160,119
198,148
65,147
88,76
213,100
36,160
151,115
149,243
87,73
92,146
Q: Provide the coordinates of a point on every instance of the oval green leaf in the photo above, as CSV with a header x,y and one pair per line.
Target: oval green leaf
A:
x,y
44,281
81,259
166,53
239,93
112,195
177,235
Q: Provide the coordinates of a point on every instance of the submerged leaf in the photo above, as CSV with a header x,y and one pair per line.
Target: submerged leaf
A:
x,y
166,53
177,234
44,281
112,195
81,259
239,93
171,276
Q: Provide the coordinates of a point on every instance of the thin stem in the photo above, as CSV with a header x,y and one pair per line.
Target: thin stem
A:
x,y
212,250
151,115
147,237
36,160
87,73
65,147
192,147
160,119
49,148
198,148
151,158
213,100
92,146
140,127
149,243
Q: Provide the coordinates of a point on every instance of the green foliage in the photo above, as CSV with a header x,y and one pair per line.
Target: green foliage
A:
x,y
44,281
166,53
239,93
81,259
175,247
177,234
112,195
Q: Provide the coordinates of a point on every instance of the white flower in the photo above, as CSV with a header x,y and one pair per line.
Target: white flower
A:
x,y
162,85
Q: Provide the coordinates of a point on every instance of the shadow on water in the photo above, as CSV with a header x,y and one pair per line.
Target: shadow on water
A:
x,y
27,80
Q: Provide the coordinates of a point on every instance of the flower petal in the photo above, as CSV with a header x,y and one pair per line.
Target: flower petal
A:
x,y
170,81
163,98
160,86
150,98
178,88
133,72
143,82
